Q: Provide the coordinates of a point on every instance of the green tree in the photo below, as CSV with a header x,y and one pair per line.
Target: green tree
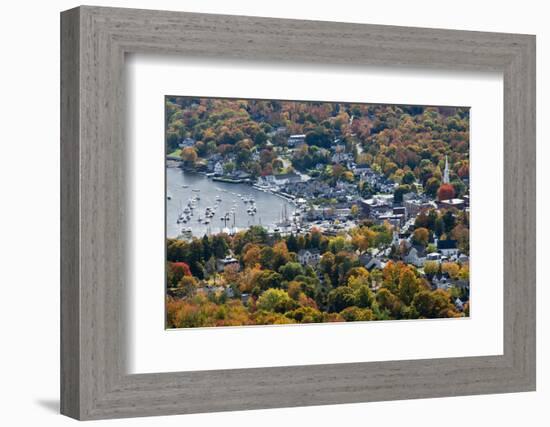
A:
x,y
386,300
340,298
269,279
364,297
276,300
290,270
229,168
353,314
292,243
431,187
434,304
266,257
399,192
408,178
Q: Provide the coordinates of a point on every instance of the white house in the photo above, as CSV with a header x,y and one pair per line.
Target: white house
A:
x,y
225,262
434,256
452,203
187,142
341,157
218,169
447,247
296,140
442,282
416,256
309,256
282,179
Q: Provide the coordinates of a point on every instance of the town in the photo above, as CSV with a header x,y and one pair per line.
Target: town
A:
x,y
379,224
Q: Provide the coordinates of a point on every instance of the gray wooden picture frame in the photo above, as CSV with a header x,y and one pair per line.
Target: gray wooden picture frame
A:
x,y
94,41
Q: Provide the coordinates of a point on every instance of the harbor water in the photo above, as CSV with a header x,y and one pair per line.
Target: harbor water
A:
x,y
224,199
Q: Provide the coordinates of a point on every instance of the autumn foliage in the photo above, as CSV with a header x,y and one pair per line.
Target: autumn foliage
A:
x,y
269,286
180,268
446,192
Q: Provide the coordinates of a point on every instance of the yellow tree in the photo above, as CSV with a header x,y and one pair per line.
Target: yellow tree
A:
x,y
251,255
357,277
248,279
421,236
363,238
408,285
431,267
391,274
231,273
451,268
189,156
281,254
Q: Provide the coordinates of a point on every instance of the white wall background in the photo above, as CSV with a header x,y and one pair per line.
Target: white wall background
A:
x,y
29,214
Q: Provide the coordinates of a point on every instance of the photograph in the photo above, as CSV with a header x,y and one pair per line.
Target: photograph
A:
x,y
293,212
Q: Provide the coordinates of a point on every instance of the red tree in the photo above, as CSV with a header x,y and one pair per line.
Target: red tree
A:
x,y
445,192
180,269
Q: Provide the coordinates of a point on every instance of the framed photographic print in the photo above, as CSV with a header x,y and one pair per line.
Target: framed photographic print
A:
x,y
328,212
304,212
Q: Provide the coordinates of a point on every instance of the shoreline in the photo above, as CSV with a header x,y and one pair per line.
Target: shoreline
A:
x,y
287,197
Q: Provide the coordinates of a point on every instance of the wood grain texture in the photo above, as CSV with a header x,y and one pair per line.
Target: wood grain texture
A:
x,y
94,240
70,291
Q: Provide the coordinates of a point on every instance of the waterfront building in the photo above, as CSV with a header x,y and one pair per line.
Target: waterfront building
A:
x,y
218,169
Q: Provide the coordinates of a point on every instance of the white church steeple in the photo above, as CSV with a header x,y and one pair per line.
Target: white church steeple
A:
x,y
446,172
